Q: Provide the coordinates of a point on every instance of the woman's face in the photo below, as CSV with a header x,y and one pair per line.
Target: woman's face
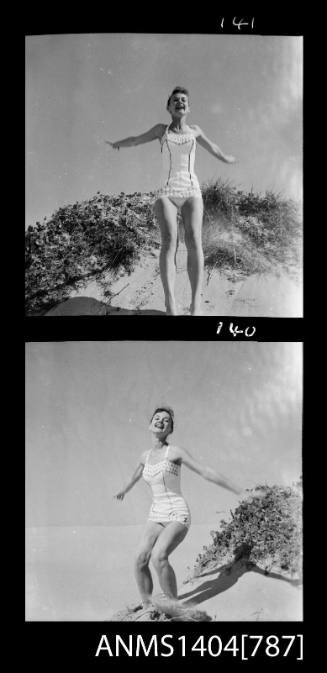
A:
x,y
161,425
179,105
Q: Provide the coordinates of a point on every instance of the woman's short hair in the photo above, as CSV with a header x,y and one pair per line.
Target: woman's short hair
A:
x,y
178,89
169,411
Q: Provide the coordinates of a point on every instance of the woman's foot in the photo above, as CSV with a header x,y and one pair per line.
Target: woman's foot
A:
x,y
171,308
178,611
146,612
195,309
134,607
169,603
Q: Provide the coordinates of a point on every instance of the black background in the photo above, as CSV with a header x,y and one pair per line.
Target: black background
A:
x,y
74,644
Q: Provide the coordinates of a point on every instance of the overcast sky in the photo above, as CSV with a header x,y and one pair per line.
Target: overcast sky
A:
x,y
245,92
88,404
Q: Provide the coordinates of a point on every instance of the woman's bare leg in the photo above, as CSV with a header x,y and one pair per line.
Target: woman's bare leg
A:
x,y
166,213
169,539
142,572
192,213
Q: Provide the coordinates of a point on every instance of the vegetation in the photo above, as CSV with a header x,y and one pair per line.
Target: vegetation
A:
x,y
264,530
242,234
84,240
247,233
134,613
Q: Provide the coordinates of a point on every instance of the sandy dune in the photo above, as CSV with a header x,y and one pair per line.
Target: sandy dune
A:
x,y
231,592
86,574
244,595
140,293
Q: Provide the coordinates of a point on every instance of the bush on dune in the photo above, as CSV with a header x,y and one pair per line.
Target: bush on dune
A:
x,y
264,530
242,234
80,241
249,233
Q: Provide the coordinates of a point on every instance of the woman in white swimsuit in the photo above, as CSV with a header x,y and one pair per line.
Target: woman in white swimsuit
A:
x,y
169,517
179,189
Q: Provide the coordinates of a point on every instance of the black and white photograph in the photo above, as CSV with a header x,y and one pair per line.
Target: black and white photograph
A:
x,y
164,174
164,481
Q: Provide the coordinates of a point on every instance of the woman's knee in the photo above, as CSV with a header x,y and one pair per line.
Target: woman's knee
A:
x,y
142,559
159,558
193,240
168,241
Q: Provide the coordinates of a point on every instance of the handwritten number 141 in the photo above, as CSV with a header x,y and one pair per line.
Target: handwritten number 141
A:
x,y
240,24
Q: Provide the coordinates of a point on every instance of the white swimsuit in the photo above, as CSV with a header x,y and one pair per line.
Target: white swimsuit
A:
x,y
178,180
168,503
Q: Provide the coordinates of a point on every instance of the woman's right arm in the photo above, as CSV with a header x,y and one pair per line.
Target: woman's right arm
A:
x,y
154,133
134,479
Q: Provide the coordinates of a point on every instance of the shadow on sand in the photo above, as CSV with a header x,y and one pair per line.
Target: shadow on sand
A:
x,y
91,306
228,575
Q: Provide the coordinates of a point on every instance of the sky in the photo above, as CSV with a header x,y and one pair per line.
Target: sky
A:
x,y
245,93
238,408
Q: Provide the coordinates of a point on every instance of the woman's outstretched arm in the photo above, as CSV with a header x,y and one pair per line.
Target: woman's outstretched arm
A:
x,y
206,472
134,479
154,133
212,148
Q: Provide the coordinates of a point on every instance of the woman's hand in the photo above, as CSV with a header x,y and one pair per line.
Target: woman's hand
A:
x,y
115,146
230,160
250,494
120,495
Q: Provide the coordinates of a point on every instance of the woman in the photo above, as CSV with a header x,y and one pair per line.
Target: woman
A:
x,y
179,189
169,517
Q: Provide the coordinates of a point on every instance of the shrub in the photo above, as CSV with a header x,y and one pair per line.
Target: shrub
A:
x,y
79,241
242,233
266,531
268,225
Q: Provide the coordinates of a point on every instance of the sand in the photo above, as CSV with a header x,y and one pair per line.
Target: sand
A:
x,y
86,574
140,293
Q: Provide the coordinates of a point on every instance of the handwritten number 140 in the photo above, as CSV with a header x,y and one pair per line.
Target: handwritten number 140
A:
x,y
235,331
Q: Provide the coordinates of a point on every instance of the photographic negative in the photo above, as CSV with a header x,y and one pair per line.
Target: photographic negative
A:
x,y
164,483
164,175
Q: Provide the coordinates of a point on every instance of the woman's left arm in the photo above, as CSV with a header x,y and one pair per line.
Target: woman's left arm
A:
x,y
211,147
207,472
